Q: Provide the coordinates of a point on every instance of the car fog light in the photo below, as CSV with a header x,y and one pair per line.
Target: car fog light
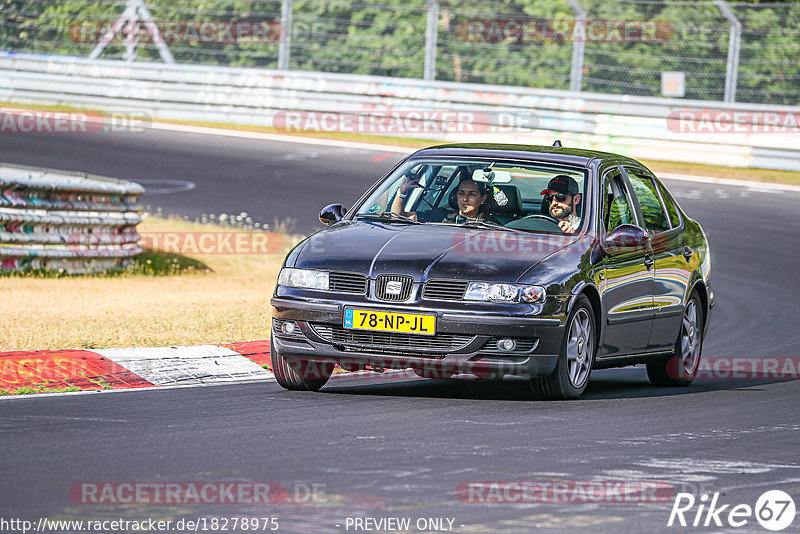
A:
x,y
288,328
507,344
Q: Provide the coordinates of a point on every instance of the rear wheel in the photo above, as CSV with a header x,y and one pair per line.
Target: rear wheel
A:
x,y
681,368
575,359
299,374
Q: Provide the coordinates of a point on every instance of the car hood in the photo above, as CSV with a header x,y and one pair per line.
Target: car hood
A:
x,y
427,251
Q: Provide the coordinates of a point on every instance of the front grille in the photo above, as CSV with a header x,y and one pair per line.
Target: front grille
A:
x,y
445,289
385,281
523,345
347,282
391,342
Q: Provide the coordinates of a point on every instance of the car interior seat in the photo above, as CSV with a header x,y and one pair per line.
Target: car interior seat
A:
x,y
511,210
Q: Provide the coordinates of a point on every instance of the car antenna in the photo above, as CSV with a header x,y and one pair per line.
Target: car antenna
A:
x,y
557,143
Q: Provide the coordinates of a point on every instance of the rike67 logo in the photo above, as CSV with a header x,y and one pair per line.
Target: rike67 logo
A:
x,y
774,510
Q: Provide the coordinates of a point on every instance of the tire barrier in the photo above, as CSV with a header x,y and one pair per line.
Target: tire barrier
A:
x,y
73,223
735,135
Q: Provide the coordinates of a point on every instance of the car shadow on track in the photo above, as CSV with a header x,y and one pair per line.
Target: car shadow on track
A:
x,y
604,384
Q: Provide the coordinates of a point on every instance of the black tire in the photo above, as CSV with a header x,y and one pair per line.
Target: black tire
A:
x,y
680,369
575,359
297,374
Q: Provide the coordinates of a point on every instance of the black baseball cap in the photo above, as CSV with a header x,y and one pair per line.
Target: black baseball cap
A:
x,y
561,184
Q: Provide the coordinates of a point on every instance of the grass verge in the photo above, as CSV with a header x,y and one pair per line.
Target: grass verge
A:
x,y
167,299
38,388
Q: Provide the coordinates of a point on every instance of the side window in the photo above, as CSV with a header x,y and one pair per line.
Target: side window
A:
x,y
655,219
672,209
617,208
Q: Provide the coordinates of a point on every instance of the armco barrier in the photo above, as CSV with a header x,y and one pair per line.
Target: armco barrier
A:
x,y
635,126
72,222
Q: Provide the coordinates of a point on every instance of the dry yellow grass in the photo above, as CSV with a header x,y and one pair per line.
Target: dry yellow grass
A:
x,y
228,304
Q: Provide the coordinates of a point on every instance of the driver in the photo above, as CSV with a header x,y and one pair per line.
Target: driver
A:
x,y
470,197
562,198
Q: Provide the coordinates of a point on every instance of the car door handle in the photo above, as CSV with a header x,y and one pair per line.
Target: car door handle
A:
x,y
687,253
649,261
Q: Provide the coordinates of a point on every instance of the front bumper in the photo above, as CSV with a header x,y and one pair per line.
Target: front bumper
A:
x,y
472,339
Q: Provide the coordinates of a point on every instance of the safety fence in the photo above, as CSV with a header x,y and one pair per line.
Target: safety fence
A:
x,y
736,135
66,222
718,50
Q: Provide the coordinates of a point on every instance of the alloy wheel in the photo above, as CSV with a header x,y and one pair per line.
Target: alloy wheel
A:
x,y
580,347
690,338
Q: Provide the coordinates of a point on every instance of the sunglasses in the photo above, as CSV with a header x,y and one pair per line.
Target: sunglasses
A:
x,y
561,197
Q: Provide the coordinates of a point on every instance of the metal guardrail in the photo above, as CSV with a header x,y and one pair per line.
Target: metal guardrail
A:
x,y
710,50
635,126
69,222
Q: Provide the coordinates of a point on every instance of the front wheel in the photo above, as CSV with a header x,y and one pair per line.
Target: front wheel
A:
x,y
575,359
681,368
299,374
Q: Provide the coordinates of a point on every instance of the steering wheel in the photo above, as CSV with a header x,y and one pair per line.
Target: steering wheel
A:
x,y
541,216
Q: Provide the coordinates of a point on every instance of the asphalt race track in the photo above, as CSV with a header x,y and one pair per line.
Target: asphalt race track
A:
x,y
399,447
194,174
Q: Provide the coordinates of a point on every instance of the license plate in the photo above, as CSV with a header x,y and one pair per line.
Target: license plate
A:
x,y
404,323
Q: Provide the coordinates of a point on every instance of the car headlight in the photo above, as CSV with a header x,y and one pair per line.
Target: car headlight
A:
x,y
304,278
505,292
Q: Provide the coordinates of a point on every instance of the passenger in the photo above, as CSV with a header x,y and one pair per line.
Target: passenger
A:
x,y
470,197
561,199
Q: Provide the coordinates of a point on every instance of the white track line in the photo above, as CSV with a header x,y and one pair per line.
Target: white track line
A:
x,y
131,390
282,138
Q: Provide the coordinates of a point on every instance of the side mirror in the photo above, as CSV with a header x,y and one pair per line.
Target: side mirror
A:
x,y
626,238
331,214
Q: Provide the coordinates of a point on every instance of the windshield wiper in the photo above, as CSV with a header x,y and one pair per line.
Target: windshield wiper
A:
x,y
388,216
486,224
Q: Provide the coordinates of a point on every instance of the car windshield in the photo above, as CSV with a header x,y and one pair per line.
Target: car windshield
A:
x,y
427,191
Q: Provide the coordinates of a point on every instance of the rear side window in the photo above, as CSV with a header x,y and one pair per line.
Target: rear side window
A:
x,y
672,209
617,208
655,219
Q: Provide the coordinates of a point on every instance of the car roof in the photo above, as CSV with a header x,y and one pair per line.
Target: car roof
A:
x,y
549,154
